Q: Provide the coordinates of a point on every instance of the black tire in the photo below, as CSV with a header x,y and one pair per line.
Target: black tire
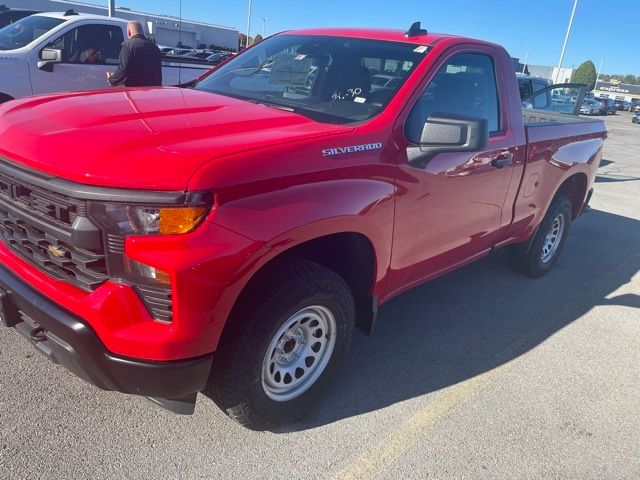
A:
x,y
282,290
531,262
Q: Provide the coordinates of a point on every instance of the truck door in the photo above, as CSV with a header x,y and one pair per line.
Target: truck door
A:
x,y
88,52
450,208
560,98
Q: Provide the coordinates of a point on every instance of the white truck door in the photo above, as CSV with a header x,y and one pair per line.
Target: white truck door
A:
x,y
89,51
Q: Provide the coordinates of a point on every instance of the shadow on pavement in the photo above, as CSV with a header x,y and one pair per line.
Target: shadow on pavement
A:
x,y
480,317
611,178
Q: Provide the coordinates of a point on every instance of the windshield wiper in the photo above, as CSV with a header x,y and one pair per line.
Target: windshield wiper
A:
x,y
276,105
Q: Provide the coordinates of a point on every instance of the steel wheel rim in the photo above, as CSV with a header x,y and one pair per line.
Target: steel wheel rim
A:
x,y
553,238
298,353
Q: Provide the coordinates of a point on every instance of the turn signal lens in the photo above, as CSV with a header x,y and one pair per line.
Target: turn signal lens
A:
x,y
133,267
176,220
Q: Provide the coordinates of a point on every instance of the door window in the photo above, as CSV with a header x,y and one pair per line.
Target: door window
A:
x,y
91,44
525,88
464,85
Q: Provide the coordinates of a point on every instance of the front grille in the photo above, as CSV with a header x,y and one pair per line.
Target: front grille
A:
x,y
36,225
54,207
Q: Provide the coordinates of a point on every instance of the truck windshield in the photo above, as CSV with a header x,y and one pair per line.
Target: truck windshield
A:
x,y
25,31
330,79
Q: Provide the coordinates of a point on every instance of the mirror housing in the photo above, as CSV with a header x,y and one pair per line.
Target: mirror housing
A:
x,y
447,132
48,57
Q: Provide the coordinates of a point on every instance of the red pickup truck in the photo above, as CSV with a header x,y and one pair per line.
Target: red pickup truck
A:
x,y
227,236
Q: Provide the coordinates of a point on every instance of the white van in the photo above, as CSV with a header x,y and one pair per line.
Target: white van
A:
x,y
51,52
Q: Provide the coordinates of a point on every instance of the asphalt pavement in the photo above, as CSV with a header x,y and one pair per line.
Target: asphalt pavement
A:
x,y
482,373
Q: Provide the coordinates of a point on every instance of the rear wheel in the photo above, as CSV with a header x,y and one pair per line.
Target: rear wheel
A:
x,y
286,341
547,243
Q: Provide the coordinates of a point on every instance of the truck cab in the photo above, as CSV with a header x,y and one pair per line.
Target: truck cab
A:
x,y
68,51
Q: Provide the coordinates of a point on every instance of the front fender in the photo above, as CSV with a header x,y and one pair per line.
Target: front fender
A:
x,y
283,218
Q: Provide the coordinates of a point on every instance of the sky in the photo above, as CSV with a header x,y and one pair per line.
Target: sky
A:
x,y
534,27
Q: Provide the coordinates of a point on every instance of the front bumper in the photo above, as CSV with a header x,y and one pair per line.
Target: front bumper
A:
x,y
66,340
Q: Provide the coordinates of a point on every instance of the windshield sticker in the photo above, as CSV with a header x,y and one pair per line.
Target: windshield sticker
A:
x,y
328,152
421,49
360,100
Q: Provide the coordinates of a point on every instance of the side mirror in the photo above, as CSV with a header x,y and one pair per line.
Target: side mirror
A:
x,y
449,133
48,57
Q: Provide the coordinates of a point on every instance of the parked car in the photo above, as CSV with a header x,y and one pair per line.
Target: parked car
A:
x,y
218,58
607,106
264,223
636,117
590,107
619,104
9,16
635,106
179,51
200,54
48,53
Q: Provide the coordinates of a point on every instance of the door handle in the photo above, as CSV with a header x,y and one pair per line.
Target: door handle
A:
x,y
502,161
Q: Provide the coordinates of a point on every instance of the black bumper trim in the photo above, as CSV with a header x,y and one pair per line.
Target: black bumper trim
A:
x,y
68,341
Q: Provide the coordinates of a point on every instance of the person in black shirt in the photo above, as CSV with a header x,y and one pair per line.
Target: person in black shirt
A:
x,y
140,60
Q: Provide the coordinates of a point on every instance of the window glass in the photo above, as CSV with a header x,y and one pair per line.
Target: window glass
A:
x,y
540,101
525,88
330,79
91,44
21,33
465,85
561,99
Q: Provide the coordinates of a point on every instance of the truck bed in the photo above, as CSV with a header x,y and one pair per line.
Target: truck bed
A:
x,y
534,118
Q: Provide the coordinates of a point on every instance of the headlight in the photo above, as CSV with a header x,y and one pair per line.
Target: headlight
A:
x,y
121,220
124,220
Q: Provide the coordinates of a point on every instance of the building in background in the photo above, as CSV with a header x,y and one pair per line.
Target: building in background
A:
x,y
164,29
551,73
617,91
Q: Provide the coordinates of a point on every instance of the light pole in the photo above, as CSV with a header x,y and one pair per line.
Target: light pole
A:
x,y
264,28
599,72
248,25
566,39
112,8
526,60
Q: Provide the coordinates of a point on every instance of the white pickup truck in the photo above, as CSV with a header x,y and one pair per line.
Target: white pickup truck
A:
x,y
54,52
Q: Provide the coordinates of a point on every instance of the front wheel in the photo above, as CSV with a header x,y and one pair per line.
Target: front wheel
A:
x,y
547,243
286,341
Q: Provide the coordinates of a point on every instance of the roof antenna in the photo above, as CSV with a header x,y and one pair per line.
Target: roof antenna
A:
x,y
415,30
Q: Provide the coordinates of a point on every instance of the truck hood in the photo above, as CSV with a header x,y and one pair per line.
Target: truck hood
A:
x,y
152,138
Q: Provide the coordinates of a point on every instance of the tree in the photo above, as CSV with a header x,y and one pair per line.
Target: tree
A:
x,y
257,39
586,74
202,46
629,79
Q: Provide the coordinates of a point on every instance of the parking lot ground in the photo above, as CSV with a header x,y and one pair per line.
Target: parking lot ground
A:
x,y
479,374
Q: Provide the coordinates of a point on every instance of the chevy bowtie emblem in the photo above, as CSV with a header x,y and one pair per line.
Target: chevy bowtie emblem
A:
x,y
56,251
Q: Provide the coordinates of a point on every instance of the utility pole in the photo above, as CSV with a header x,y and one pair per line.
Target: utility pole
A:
x,y
566,40
526,60
599,72
248,25
112,8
